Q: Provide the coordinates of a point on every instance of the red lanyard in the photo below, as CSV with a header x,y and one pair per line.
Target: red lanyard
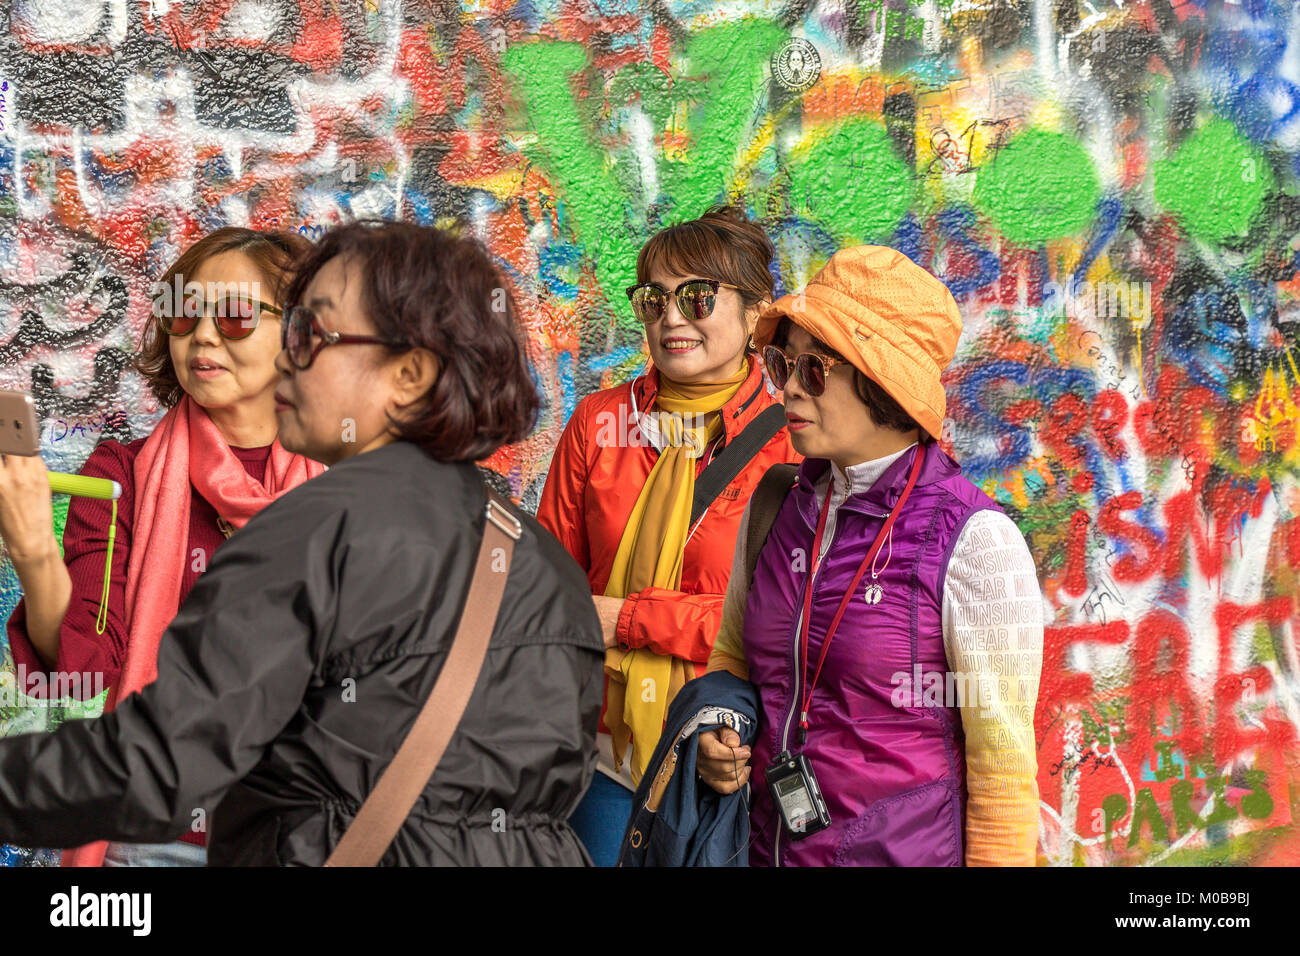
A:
x,y
844,602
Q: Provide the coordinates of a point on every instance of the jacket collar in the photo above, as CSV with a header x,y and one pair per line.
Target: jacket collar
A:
x,y
858,479
885,491
736,414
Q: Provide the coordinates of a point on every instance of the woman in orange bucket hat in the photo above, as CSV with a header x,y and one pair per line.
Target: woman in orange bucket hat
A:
x,y
892,622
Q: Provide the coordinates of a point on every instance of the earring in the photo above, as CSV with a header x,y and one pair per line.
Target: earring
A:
x,y
752,346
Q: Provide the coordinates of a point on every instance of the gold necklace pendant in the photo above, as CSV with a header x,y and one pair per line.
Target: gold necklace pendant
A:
x,y
226,527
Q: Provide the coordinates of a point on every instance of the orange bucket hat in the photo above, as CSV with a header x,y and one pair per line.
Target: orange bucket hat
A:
x,y
890,318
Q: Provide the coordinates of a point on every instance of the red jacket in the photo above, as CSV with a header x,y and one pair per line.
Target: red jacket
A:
x,y
596,475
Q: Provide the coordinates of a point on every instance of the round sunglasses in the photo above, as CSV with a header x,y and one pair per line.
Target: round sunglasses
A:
x,y
695,299
235,316
811,368
301,325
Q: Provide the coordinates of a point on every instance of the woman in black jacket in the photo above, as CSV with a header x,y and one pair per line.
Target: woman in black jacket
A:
x,y
294,670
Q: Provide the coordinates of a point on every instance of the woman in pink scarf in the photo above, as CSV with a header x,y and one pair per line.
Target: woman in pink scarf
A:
x,y
210,465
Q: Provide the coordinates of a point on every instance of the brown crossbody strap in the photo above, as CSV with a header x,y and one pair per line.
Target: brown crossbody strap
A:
x,y
371,832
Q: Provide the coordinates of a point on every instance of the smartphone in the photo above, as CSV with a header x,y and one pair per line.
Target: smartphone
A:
x,y
20,433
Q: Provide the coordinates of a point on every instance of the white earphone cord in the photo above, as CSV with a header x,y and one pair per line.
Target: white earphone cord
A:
x,y
874,573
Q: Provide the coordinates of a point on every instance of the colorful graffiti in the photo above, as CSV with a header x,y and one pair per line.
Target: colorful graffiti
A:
x,y
1109,191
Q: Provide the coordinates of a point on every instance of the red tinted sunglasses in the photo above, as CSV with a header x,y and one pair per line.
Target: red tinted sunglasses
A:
x,y
236,316
811,368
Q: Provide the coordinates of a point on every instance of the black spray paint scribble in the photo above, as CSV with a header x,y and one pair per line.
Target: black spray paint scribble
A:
x,y
33,332
53,402
238,84
109,295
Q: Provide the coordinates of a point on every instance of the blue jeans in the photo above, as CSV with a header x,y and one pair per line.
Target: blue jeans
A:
x,y
602,817
175,853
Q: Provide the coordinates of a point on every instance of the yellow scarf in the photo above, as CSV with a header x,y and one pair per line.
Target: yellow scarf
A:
x,y
642,683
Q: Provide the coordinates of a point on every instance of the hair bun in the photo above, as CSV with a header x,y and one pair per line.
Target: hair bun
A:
x,y
726,212
741,228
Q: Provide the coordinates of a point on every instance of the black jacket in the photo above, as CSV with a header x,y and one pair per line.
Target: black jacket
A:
x,y
298,663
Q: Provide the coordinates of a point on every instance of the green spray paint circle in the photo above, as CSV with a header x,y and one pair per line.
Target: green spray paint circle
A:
x,y
1215,184
1039,186
854,182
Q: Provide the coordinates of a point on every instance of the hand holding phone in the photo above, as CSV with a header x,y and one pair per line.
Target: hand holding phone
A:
x,y
27,522
20,435
26,509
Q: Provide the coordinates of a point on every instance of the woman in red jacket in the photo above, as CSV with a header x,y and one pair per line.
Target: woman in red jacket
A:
x,y
622,493
212,463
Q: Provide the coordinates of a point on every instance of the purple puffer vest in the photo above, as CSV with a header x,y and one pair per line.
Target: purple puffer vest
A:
x,y
894,778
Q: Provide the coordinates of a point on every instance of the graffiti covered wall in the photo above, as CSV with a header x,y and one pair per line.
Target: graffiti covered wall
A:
x,y
1109,190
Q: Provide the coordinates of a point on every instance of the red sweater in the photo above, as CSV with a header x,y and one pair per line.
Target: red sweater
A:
x,y
85,539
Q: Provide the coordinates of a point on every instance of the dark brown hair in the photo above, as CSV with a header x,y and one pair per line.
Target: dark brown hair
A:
x,y
884,411
431,288
723,244
273,252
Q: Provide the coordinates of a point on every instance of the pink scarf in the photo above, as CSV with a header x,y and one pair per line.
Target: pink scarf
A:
x,y
186,448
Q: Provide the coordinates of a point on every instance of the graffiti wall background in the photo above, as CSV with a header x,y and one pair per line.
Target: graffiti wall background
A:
x,y
1108,188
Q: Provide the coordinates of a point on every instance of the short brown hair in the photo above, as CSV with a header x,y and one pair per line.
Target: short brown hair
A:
x,y
274,253
434,289
885,412
723,244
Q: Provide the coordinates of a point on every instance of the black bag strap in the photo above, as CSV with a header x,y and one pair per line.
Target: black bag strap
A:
x,y
764,506
737,453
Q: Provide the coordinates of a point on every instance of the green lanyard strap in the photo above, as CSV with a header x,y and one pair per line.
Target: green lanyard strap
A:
x,y
101,620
